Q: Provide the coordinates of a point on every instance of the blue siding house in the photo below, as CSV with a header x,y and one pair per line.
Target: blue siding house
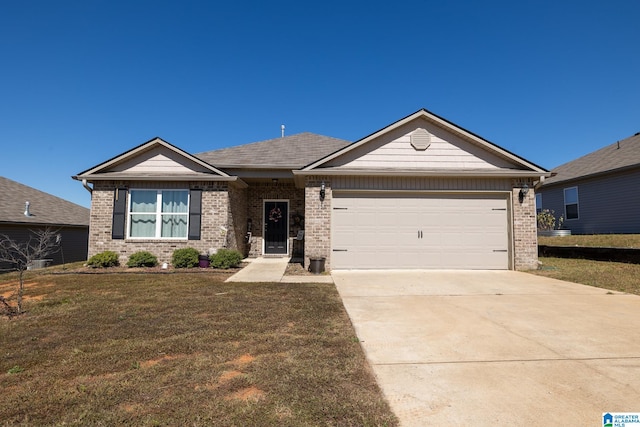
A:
x,y
596,193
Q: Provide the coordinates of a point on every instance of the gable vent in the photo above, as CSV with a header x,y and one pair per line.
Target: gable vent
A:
x,y
420,139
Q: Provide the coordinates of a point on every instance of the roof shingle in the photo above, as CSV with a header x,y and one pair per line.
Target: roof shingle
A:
x,y
292,152
44,207
619,155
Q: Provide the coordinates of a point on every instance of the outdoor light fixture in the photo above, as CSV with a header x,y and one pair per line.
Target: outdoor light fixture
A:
x,y
523,192
275,181
322,191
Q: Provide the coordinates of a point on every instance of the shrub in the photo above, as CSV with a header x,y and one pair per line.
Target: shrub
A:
x,y
142,259
104,259
185,258
225,258
547,220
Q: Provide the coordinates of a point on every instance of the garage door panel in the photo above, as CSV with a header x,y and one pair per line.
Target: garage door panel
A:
x,y
419,231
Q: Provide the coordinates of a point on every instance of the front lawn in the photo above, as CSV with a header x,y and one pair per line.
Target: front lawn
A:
x,y
615,276
591,240
182,349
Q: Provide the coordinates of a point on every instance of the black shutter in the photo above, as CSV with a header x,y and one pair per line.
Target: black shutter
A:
x,y
119,213
195,213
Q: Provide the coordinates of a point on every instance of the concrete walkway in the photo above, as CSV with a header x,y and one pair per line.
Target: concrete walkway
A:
x,y
485,348
271,270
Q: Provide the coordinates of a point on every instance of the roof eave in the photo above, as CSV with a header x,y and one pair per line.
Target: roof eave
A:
x,y
132,177
592,175
426,173
251,167
44,224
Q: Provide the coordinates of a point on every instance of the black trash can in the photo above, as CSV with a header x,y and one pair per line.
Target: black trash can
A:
x,y
316,265
203,261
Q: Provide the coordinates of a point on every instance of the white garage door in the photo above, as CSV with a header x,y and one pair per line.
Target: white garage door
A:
x,y
457,231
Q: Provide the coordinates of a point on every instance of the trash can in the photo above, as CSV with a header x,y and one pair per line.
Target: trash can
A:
x,y
203,261
316,265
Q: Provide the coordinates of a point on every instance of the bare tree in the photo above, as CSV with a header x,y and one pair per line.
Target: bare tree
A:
x,y
21,255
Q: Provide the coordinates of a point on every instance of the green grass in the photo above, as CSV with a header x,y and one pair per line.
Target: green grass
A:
x,y
182,349
615,276
603,240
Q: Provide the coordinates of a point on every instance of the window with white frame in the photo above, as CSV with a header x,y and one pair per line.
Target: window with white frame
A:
x,y
571,203
158,214
538,203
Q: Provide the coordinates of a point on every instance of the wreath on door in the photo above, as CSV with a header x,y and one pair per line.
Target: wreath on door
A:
x,y
275,214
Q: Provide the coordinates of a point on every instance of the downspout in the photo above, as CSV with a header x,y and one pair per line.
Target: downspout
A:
x,y
85,185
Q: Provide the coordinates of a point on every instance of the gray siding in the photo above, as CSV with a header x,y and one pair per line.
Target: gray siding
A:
x,y
75,242
607,204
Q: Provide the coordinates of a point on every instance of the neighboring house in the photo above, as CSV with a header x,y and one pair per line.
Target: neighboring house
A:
x,y
17,221
419,193
595,193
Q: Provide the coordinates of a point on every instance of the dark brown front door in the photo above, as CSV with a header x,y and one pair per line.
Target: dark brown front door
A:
x,y
276,227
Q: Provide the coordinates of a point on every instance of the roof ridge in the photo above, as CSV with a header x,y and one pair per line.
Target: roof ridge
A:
x,y
288,152
270,140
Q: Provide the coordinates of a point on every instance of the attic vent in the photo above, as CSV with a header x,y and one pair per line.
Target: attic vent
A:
x,y
27,212
420,139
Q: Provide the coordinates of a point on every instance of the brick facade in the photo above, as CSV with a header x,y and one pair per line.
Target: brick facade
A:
x,y
318,220
237,219
524,229
257,194
229,207
215,217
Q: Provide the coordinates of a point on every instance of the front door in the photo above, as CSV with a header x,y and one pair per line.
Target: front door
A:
x,y
276,227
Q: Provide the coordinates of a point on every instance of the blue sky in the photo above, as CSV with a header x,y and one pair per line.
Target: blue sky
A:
x,y
83,81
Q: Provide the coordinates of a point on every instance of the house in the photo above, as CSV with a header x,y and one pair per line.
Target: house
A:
x,y
595,193
24,210
421,192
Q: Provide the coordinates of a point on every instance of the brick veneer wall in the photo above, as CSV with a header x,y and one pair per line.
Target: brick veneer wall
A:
x,y
215,213
318,220
525,233
237,214
318,223
257,193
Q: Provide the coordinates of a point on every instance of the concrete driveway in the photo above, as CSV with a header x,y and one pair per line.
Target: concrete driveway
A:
x,y
473,348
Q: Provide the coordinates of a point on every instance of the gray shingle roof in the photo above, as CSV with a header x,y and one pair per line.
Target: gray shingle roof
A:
x,y
46,208
291,152
619,155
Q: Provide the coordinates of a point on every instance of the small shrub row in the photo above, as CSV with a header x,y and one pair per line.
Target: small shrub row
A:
x,y
182,258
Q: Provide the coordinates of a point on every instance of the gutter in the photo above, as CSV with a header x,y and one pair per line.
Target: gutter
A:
x,y
234,180
566,181
86,185
433,173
